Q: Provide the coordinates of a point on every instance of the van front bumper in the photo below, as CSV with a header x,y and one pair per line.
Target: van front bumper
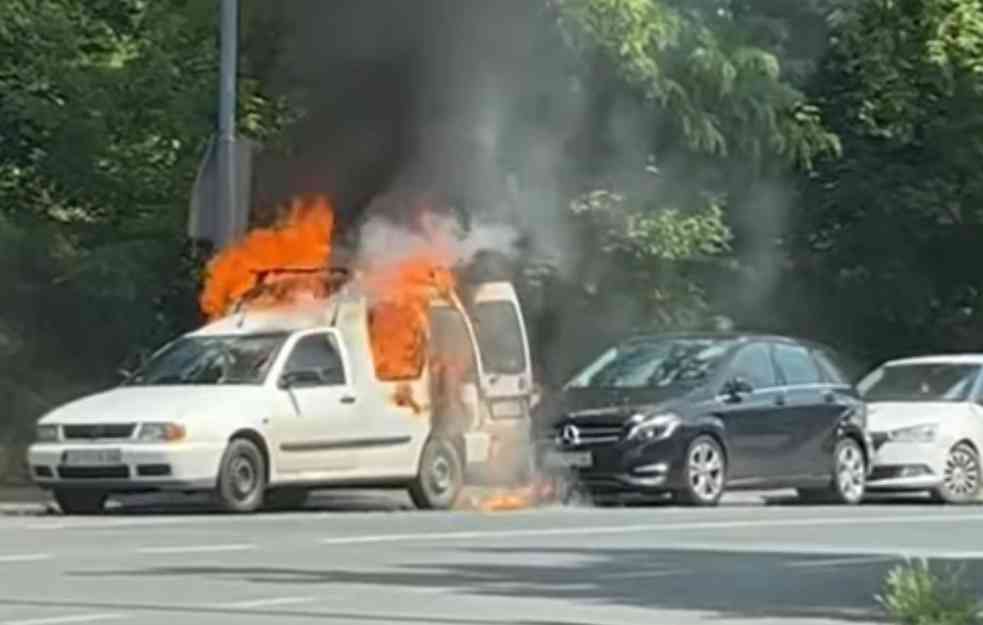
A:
x,y
134,468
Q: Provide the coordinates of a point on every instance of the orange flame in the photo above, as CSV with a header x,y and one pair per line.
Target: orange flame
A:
x,y
507,500
400,290
302,240
398,323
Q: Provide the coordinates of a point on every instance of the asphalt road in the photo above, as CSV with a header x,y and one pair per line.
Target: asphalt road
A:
x,y
365,560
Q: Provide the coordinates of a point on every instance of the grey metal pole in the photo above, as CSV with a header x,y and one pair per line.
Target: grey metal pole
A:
x,y
227,167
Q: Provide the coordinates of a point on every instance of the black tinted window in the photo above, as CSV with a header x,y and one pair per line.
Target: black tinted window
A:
x,y
317,354
796,365
753,364
655,362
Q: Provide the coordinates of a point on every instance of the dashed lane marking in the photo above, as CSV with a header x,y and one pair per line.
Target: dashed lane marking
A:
x,y
64,620
178,549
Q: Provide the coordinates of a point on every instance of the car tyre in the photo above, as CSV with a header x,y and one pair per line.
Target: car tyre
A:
x,y
241,478
440,478
283,499
80,501
850,477
961,478
704,473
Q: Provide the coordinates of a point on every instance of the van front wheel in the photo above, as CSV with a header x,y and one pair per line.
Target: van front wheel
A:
x,y
242,477
441,476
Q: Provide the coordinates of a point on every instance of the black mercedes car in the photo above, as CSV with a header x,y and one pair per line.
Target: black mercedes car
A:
x,y
692,415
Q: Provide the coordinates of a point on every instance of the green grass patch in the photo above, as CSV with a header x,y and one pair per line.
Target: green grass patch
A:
x,y
915,595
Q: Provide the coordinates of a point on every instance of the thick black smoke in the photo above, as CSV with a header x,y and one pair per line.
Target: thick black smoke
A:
x,y
410,98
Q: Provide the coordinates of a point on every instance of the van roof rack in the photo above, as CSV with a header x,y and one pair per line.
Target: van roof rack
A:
x,y
266,280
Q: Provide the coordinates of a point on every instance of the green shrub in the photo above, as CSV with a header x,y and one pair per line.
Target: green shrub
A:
x,y
915,595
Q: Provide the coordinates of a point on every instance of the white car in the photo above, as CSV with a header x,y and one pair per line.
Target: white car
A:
x,y
925,416
266,406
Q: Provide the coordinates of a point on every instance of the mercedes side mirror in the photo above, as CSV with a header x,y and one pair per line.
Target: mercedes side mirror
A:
x,y
736,388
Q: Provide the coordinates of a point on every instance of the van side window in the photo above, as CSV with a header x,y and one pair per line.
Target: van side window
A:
x,y
500,338
796,365
317,354
753,363
397,335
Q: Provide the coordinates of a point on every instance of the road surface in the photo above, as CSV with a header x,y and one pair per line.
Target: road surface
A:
x,y
376,563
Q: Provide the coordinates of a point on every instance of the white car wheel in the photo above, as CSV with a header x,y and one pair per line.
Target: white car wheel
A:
x,y
961,476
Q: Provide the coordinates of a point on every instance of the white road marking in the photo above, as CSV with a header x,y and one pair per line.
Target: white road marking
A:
x,y
267,603
61,620
841,562
651,527
26,557
895,552
195,549
308,518
648,574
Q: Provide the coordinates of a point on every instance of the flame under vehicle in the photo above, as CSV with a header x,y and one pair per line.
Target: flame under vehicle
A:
x,y
264,405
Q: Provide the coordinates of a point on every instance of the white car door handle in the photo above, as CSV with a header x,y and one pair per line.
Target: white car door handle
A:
x,y
348,399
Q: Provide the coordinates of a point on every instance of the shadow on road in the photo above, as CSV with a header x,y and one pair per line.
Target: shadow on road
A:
x,y
318,615
732,584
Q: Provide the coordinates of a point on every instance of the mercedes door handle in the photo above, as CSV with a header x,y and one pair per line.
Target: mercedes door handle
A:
x,y
829,397
779,400
348,399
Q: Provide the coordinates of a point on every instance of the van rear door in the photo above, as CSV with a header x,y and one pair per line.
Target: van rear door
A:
x,y
506,370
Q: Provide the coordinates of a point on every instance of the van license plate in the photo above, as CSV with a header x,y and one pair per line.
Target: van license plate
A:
x,y
93,457
570,460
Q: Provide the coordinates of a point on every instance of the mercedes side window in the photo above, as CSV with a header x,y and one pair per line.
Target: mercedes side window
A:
x,y
797,367
315,361
753,364
830,370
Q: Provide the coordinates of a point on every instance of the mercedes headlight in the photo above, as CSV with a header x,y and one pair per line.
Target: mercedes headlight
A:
x,y
653,427
161,432
47,434
915,434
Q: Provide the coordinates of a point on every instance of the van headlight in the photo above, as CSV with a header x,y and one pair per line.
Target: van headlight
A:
x,y
161,432
47,434
653,427
915,434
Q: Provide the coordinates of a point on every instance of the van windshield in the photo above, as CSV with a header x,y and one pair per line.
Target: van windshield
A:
x,y
207,360
654,363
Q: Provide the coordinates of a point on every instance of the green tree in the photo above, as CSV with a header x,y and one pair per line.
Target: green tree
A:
x,y
105,108
890,233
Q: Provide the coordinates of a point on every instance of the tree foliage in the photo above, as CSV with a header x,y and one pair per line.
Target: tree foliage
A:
x,y
105,108
893,228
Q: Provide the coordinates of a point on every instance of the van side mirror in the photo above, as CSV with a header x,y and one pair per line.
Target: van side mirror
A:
x,y
299,379
736,387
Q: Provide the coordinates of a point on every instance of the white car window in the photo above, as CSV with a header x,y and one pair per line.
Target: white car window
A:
x,y
938,382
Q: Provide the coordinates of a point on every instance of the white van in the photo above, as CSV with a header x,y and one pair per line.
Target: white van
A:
x,y
261,407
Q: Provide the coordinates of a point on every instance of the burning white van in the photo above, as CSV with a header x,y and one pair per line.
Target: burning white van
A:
x,y
262,406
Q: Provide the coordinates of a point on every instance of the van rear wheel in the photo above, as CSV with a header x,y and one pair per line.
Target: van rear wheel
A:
x,y
441,476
